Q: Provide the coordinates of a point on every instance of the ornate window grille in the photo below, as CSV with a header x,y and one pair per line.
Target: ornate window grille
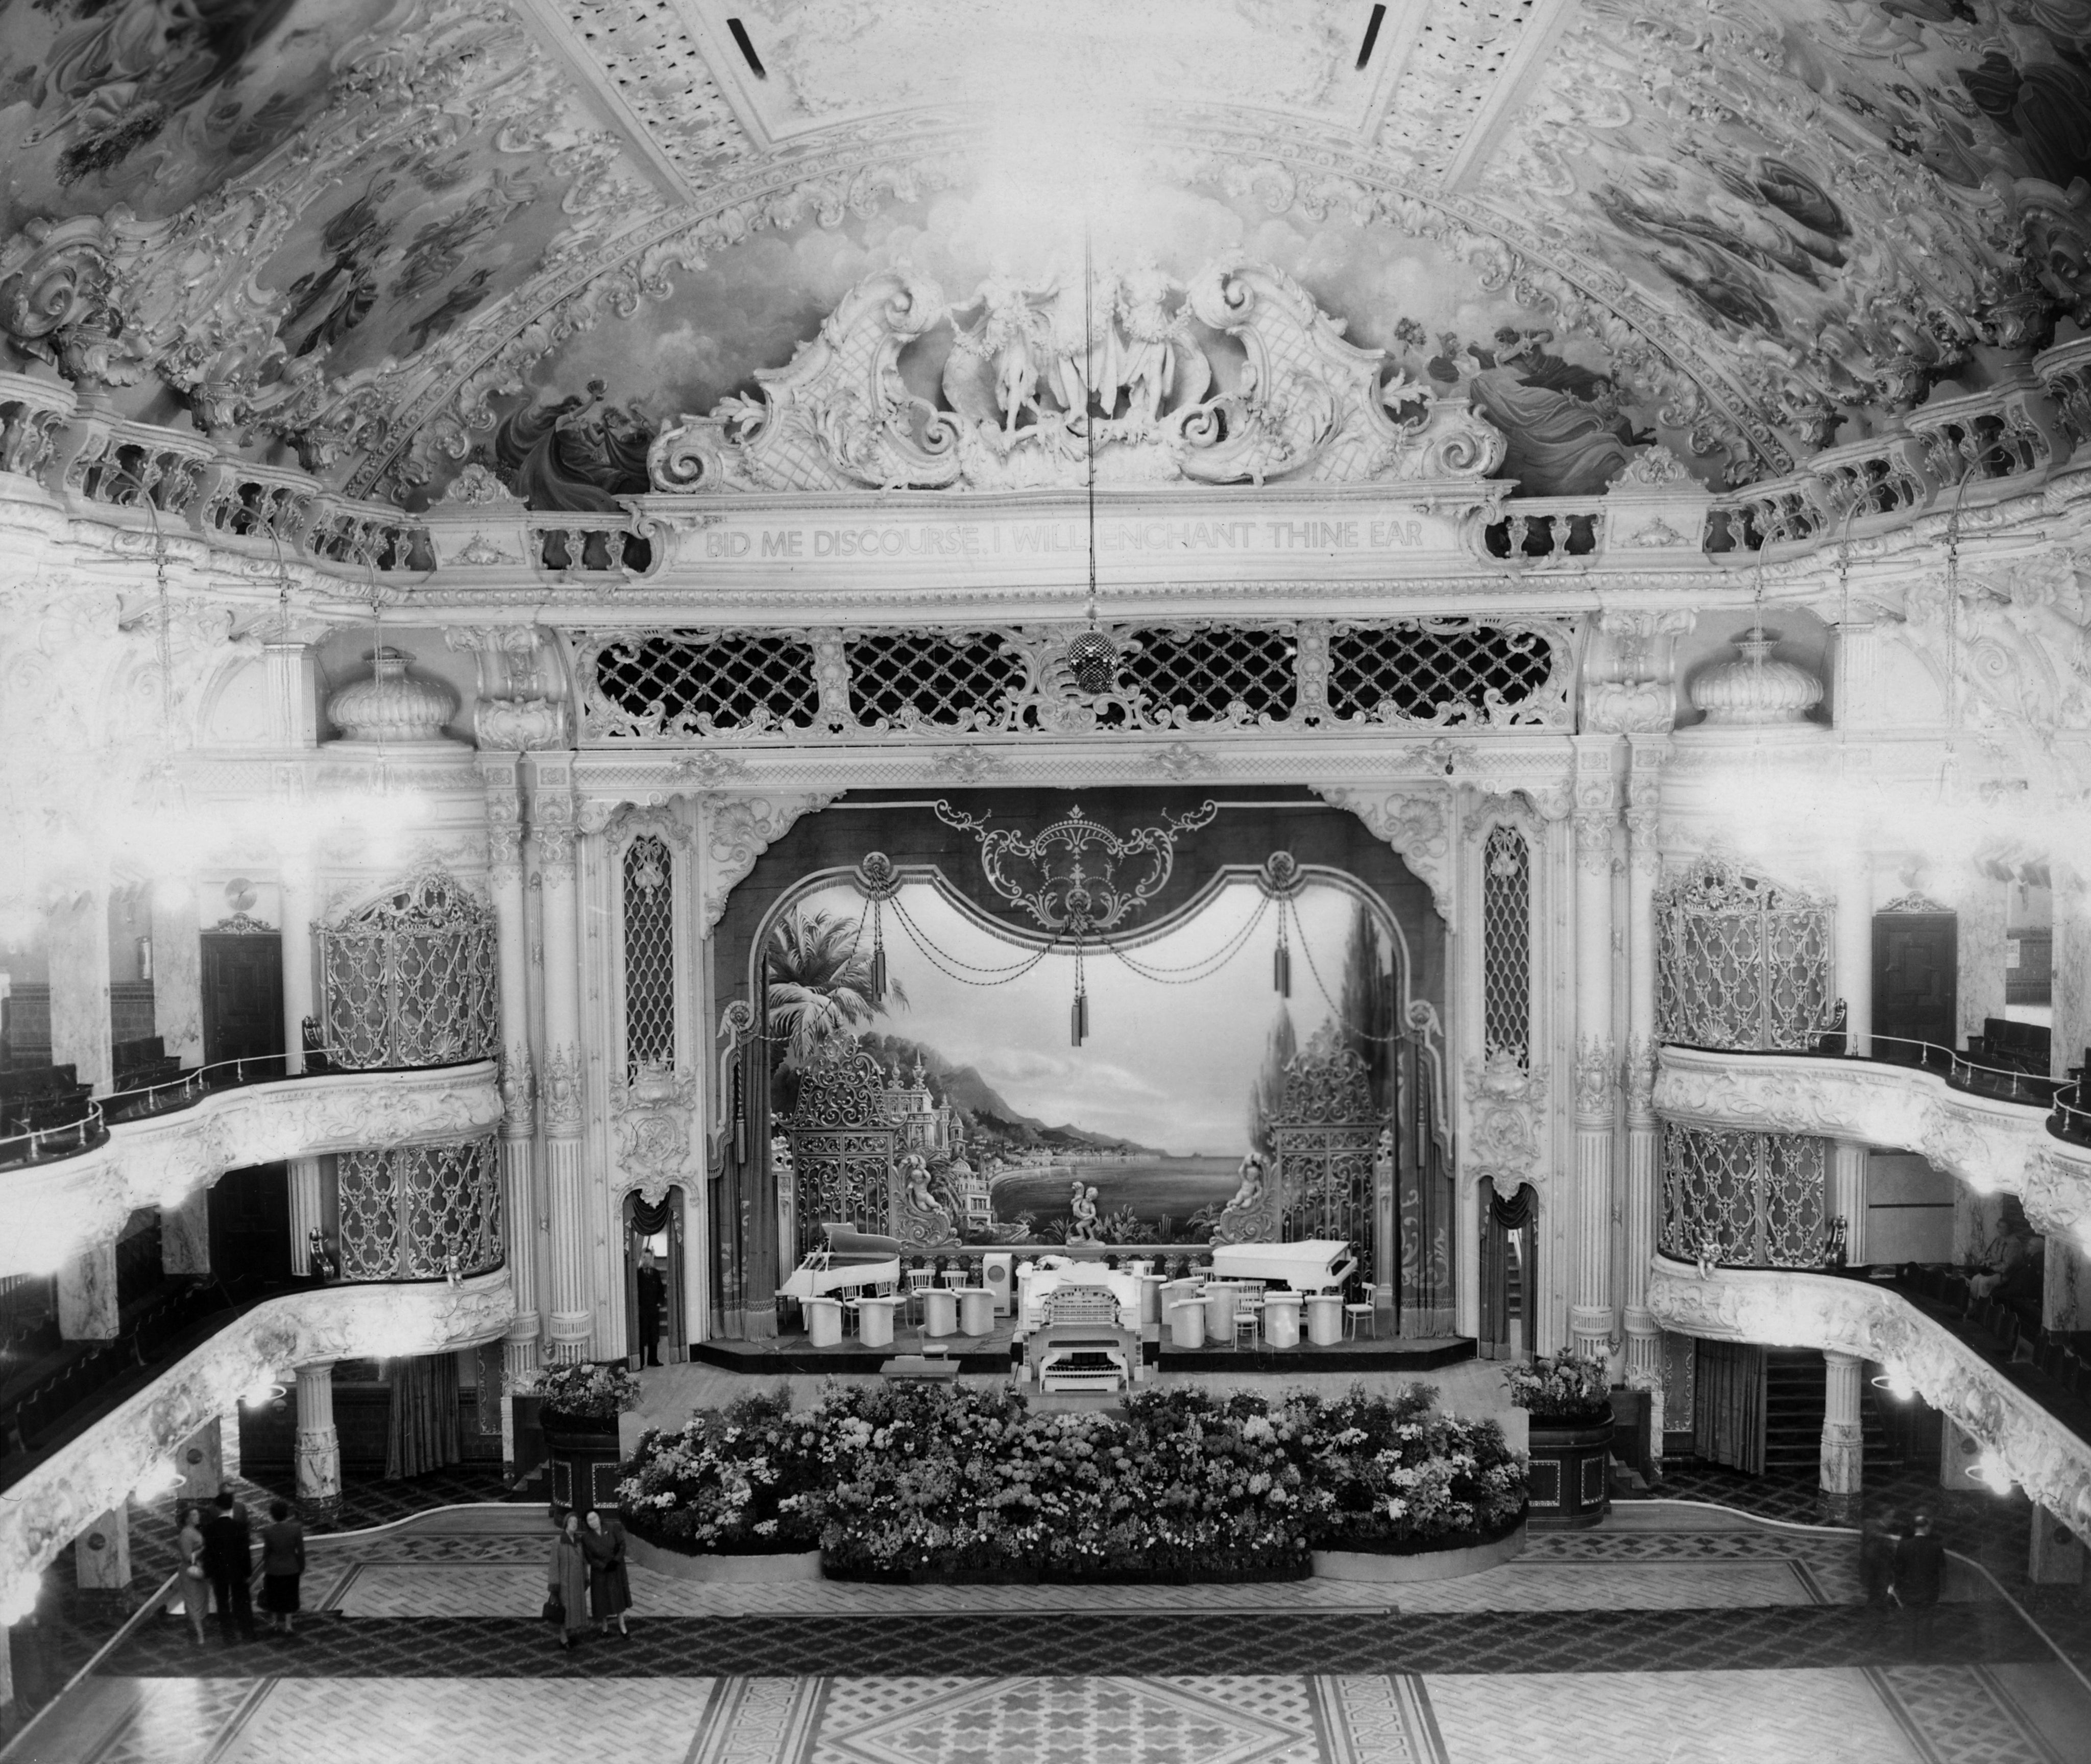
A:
x,y
1752,1200
1507,945
1216,673
420,1212
410,980
1739,962
843,1142
933,679
677,684
1446,671
650,955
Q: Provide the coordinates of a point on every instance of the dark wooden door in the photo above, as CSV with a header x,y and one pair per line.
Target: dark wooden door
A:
x,y
250,1228
243,996
1916,980
668,1255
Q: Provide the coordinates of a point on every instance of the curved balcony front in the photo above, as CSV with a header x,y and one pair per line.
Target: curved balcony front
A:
x,y
97,1469
1992,1144
1789,1308
58,1207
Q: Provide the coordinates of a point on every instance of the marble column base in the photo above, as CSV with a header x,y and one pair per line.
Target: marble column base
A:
x,y
319,1470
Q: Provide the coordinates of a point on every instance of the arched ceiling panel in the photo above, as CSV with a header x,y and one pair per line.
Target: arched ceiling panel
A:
x,y
365,231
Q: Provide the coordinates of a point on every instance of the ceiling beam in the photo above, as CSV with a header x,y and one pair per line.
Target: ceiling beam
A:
x,y
1527,66
547,24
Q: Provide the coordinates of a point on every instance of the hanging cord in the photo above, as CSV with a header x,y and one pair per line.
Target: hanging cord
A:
x,y
1336,1010
1281,957
941,962
1202,968
1088,421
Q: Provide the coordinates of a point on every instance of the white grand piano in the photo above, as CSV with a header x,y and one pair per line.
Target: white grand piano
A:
x,y
850,1261
1311,1265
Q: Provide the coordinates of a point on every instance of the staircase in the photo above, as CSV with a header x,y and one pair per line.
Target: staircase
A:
x,y
1794,1394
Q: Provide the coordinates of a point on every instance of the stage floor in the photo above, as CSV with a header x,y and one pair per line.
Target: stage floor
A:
x,y
794,1354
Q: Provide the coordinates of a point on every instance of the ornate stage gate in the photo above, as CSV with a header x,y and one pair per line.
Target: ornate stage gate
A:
x,y
1323,1141
843,1141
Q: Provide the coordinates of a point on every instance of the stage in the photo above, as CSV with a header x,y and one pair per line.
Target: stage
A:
x,y
793,1354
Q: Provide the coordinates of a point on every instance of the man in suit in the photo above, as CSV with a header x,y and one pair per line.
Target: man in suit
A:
x,y
1920,1573
651,1292
228,1559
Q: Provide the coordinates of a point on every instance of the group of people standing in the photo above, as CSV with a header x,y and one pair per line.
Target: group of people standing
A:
x,y
587,1578
218,1566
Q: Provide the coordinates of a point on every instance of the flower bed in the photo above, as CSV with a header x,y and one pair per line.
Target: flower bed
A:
x,y
913,1481
1566,1391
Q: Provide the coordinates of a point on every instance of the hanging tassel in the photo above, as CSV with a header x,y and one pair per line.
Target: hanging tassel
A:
x,y
1281,970
1078,1019
739,1118
878,974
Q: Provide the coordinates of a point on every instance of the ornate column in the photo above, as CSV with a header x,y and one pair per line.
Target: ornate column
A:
x,y
1983,905
101,1557
1855,949
78,947
504,837
1644,869
2072,968
1591,1317
318,1446
553,829
178,974
87,1295
1843,1443
299,1001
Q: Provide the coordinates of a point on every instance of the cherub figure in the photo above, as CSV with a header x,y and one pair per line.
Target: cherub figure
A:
x,y
1141,361
1082,1226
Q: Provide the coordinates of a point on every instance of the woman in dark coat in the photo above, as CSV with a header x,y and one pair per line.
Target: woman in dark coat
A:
x,y
610,1586
282,1563
567,1579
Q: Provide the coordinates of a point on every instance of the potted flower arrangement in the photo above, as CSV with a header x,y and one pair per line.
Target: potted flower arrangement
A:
x,y
1568,1397
743,1482
578,1406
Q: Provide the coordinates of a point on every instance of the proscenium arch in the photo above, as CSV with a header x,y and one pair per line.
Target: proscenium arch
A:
x,y
823,849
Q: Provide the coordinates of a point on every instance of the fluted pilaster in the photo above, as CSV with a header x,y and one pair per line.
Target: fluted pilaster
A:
x,y
1643,868
1843,1440
1591,1317
518,1104
554,830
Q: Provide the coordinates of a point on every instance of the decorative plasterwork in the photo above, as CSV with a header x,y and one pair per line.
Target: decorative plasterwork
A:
x,y
652,1118
735,830
1027,394
62,1206
1994,1147
62,1496
1416,823
1506,1123
1782,1308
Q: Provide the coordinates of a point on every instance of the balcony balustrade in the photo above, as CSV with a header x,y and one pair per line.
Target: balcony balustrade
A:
x,y
98,1469
1995,1144
1783,1307
58,1205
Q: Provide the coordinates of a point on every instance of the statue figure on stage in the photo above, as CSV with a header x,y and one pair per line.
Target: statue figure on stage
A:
x,y
1082,1226
1249,1195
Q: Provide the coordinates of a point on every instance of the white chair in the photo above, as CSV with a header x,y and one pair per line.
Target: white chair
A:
x,y
1355,1315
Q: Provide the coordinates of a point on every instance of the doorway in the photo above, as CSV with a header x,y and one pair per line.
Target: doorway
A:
x,y
657,1230
243,996
1915,984
1509,1275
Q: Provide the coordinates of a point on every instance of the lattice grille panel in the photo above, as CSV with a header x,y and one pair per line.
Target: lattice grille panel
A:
x,y
411,980
1445,671
1740,963
1325,1178
421,1212
1749,1200
1507,945
927,680
1219,674
696,683
650,955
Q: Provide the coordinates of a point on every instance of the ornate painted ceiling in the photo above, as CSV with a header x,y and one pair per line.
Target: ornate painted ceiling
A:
x,y
382,237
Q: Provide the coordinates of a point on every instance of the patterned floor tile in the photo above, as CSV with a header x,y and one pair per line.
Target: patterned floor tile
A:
x,y
1692,1718
1071,1721
1610,1587
1957,1714
1077,1643
175,1720
362,1721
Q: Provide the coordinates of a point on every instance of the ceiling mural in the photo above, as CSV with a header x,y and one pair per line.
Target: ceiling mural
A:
x,y
377,236
580,428
1858,197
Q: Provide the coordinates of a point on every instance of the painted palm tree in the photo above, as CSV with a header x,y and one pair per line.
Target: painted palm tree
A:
x,y
820,970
